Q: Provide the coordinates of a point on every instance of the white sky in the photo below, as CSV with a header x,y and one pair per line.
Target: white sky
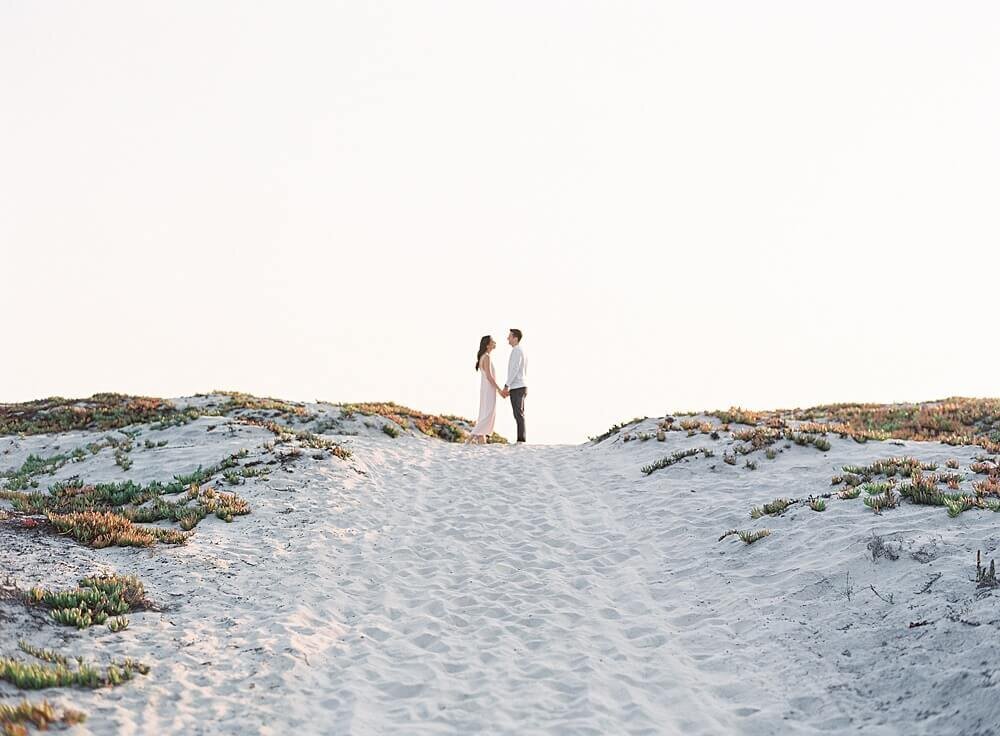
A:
x,y
683,205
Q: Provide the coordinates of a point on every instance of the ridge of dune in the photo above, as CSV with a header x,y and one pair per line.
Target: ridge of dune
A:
x,y
407,585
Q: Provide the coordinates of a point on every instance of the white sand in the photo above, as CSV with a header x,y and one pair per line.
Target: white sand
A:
x,y
424,587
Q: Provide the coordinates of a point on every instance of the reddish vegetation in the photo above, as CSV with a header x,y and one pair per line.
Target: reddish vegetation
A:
x,y
954,421
433,425
100,411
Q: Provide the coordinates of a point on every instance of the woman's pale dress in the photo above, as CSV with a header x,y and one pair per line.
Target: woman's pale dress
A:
x,y
487,402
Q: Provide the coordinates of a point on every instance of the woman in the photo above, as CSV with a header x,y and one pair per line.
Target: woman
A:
x,y
488,390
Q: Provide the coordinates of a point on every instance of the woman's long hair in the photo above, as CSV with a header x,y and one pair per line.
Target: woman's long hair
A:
x,y
484,342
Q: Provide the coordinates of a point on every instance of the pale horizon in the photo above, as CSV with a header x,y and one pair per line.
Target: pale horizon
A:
x,y
683,206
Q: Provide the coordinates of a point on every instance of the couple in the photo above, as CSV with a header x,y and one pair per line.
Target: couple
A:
x,y
515,387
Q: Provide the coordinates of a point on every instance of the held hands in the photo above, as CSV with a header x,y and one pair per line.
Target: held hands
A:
x,y
505,392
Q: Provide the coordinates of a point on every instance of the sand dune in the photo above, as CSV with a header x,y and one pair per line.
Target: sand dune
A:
x,y
421,586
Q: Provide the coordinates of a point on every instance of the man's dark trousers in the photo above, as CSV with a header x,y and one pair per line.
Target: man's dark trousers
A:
x,y
517,396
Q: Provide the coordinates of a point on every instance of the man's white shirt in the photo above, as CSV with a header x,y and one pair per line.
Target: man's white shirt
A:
x,y
517,368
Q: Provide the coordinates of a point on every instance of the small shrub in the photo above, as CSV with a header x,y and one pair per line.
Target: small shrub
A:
x,y
772,508
122,459
93,602
879,503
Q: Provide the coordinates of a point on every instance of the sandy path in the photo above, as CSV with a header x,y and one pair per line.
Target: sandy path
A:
x,y
503,595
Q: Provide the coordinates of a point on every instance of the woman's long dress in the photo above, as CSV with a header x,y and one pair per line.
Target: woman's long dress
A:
x,y
487,402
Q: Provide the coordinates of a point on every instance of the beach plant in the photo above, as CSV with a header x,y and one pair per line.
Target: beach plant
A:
x,y
737,415
751,465
142,504
669,460
95,600
122,459
874,488
882,501
14,719
772,508
956,505
817,504
99,529
391,430
46,655
984,467
988,487
59,671
224,505
804,439
728,459
921,495
757,437
955,421
253,472
444,427
889,467
99,412
748,537
34,466
952,463
849,492
237,401
285,435
118,623
770,454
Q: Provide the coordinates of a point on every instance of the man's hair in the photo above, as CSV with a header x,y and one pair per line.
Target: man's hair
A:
x,y
516,333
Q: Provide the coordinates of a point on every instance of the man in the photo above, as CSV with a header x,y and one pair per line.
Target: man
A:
x,y
516,388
